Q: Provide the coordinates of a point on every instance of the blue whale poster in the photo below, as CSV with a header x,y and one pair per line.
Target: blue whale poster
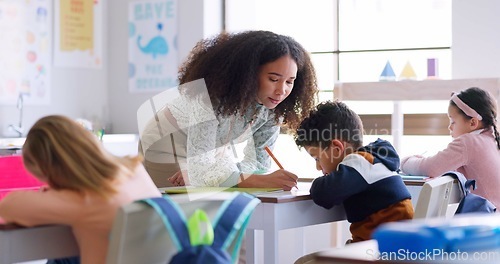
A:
x,y
152,44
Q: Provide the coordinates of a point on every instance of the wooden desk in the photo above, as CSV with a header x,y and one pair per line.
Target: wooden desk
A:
x,y
18,244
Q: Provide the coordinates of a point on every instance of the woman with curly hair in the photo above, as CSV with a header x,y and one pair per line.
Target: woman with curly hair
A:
x,y
233,88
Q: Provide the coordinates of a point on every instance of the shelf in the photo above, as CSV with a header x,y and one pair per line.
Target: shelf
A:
x,y
411,90
398,91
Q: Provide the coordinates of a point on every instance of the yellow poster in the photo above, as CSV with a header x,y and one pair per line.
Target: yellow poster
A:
x,y
77,25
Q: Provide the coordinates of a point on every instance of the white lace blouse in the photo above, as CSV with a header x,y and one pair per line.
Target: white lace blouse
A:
x,y
210,157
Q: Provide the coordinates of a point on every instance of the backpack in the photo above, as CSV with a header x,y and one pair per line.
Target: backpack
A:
x,y
230,222
470,203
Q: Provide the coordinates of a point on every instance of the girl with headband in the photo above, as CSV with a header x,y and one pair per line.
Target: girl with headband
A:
x,y
475,149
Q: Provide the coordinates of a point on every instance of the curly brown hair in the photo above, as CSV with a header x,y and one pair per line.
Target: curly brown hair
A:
x,y
230,63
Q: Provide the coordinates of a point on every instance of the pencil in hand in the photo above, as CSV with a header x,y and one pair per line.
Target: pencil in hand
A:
x,y
268,150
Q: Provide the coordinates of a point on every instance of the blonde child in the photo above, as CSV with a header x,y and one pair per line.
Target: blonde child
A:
x,y
475,149
362,178
86,185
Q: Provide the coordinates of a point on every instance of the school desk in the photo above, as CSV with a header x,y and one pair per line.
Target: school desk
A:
x,y
284,210
278,211
18,244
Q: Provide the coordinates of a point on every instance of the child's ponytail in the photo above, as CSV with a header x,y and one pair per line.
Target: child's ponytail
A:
x,y
497,135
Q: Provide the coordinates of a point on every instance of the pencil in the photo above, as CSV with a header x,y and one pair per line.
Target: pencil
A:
x,y
268,150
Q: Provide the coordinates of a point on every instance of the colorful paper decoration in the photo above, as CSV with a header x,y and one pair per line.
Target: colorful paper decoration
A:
x,y
408,73
388,73
432,68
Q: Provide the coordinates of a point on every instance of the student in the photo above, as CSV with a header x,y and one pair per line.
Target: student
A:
x,y
251,83
362,178
86,185
475,149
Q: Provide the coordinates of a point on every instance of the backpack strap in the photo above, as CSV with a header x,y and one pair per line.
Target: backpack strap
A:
x,y
173,218
463,182
231,221
470,183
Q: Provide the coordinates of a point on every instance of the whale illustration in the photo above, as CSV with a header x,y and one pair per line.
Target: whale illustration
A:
x,y
156,46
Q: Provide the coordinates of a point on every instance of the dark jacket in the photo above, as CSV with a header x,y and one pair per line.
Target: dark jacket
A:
x,y
365,182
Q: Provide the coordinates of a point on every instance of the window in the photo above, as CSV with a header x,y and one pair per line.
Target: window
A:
x,y
372,32
352,40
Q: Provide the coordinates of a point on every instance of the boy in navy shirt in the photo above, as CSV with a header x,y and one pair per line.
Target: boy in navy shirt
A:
x,y
362,178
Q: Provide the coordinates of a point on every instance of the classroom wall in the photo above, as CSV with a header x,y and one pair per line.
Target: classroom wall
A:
x,y
75,92
475,39
103,93
197,19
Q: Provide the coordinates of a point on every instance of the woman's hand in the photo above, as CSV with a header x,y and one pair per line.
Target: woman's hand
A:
x,y
178,180
278,179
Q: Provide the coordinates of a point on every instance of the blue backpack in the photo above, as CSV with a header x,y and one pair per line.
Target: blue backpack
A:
x,y
211,248
470,203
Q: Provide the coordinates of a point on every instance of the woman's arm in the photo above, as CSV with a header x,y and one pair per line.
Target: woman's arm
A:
x,y
278,179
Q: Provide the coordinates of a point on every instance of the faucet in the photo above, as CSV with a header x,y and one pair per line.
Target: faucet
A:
x,y
20,105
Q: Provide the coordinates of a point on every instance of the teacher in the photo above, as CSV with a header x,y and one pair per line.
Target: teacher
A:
x,y
233,88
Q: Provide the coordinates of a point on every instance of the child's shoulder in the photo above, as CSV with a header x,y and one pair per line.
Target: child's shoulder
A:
x,y
357,156
475,137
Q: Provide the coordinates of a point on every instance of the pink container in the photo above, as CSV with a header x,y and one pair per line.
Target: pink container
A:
x,y
13,176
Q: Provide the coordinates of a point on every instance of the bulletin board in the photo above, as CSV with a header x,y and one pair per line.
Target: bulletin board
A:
x,y
78,33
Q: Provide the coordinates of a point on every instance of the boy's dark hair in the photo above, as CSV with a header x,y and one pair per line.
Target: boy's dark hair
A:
x,y
484,104
330,120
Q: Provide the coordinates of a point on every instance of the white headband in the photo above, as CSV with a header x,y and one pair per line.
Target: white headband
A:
x,y
465,108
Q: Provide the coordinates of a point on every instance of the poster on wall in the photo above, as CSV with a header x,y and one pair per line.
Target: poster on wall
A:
x,y
25,51
152,45
78,33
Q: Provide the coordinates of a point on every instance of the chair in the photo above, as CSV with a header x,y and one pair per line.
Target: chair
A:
x,y
138,234
439,197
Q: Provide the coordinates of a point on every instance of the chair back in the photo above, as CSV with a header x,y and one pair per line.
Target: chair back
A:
x,y
439,197
138,234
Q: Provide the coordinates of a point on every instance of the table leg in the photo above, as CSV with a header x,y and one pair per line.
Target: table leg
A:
x,y
271,236
250,246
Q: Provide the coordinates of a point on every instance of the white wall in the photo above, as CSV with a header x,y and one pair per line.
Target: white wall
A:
x,y
103,93
75,92
475,39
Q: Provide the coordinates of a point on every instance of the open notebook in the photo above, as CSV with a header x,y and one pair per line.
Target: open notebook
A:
x,y
193,189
